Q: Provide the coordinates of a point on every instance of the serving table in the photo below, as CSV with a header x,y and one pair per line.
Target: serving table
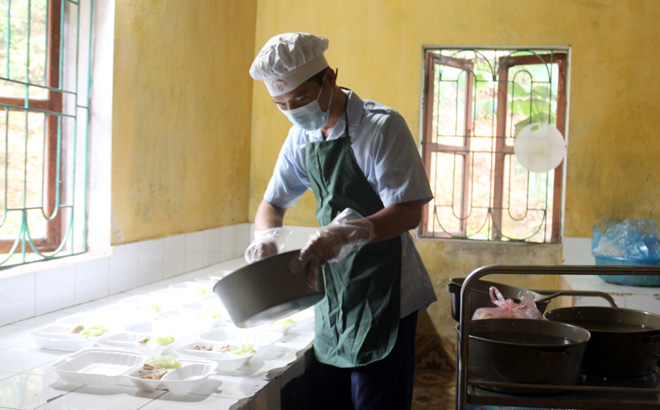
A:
x,y
28,382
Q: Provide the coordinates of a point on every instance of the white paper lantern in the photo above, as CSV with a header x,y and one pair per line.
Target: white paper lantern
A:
x,y
539,147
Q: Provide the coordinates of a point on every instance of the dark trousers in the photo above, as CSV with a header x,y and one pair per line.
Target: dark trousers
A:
x,y
382,385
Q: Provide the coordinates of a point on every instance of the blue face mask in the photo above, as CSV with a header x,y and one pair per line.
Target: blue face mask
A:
x,y
309,117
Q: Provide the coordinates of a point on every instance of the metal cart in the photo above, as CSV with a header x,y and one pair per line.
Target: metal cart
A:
x,y
589,393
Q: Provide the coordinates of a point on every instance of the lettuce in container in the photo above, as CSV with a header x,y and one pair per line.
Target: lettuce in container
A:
x,y
242,350
161,340
93,331
163,362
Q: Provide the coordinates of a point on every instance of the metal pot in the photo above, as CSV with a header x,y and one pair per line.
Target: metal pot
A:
x,y
267,290
479,296
624,342
525,351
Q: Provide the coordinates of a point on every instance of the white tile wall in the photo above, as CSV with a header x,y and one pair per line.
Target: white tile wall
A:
x,y
194,248
577,251
212,246
123,268
17,298
55,289
174,256
298,237
242,239
150,261
130,266
631,297
92,280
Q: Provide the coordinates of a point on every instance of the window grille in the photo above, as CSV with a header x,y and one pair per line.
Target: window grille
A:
x,y
45,79
475,103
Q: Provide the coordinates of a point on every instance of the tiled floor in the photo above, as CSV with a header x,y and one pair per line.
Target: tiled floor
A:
x,y
435,389
435,373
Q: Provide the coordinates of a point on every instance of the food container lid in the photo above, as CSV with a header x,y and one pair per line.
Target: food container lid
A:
x,y
67,337
96,366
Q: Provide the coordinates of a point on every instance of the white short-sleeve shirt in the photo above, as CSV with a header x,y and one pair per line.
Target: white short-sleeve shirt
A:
x,y
386,153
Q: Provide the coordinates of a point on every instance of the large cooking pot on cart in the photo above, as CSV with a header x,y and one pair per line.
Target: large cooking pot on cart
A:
x,y
464,381
525,351
480,297
267,290
624,342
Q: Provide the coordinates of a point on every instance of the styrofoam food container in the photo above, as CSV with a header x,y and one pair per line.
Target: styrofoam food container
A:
x,y
149,304
167,298
215,277
115,316
178,381
227,362
176,328
292,323
97,366
182,321
193,290
205,312
130,341
59,337
238,336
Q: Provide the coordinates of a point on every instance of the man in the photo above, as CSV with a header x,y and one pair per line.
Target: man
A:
x,y
361,162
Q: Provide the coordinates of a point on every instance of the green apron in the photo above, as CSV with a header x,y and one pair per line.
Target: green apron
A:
x,y
357,321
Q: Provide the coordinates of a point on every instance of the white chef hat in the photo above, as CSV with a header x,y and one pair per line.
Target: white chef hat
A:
x,y
287,60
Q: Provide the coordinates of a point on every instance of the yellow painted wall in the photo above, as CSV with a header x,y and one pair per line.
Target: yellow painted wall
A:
x,y
613,159
181,116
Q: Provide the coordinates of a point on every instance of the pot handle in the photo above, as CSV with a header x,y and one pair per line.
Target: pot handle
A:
x,y
551,294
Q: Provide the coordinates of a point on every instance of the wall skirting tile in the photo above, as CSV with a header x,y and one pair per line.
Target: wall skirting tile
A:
x,y
25,295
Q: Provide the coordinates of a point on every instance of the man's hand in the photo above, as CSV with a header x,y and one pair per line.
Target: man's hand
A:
x,y
266,243
332,243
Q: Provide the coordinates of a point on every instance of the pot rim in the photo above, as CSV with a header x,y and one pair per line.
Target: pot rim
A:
x,y
571,341
608,309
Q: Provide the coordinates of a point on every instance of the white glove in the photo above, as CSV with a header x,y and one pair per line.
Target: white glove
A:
x,y
266,243
333,242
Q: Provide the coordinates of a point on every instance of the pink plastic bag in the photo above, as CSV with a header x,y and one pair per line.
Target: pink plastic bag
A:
x,y
507,308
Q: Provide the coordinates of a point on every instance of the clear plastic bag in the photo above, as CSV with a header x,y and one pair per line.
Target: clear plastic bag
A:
x,y
507,308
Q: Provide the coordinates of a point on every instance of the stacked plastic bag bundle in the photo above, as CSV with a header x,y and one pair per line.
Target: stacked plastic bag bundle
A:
x,y
631,238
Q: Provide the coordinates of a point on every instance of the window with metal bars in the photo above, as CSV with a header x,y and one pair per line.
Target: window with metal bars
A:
x,y
45,55
476,102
